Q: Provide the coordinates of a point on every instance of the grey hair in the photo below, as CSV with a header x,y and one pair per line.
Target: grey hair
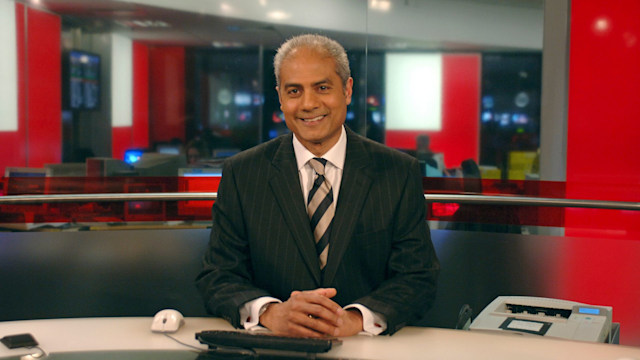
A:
x,y
319,43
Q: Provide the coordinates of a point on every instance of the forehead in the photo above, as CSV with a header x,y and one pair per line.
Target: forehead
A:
x,y
305,64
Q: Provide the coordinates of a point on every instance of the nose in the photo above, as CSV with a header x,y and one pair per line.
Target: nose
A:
x,y
310,101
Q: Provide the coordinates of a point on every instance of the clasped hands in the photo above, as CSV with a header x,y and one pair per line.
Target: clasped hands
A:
x,y
311,313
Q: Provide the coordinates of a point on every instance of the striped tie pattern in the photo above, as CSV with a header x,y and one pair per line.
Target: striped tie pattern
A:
x,y
321,210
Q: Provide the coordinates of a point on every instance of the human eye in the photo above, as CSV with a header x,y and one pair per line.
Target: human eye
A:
x,y
293,92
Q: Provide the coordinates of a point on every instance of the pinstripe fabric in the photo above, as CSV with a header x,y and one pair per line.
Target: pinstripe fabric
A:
x,y
381,255
320,210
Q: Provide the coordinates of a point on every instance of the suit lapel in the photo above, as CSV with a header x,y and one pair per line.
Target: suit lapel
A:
x,y
356,182
285,184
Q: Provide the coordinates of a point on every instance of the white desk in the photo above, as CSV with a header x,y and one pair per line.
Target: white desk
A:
x,y
110,334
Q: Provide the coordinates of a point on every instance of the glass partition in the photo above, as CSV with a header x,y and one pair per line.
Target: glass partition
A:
x,y
115,94
147,77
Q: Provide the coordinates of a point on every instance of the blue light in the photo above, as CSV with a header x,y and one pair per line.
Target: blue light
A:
x,y
590,311
132,156
242,99
350,115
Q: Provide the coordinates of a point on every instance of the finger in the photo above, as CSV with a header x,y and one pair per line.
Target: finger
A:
x,y
312,302
319,325
304,313
304,331
329,315
328,292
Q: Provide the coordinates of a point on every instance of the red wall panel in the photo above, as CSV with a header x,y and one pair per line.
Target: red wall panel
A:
x,y
140,135
167,93
459,137
602,164
120,141
603,130
13,150
38,139
44,90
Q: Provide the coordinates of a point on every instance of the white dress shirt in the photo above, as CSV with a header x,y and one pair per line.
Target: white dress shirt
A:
x,y
372,323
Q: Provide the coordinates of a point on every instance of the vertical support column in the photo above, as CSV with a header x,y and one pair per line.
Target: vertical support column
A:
x,y
555,78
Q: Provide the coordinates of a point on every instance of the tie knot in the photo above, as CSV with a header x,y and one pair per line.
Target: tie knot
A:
x,y
318,165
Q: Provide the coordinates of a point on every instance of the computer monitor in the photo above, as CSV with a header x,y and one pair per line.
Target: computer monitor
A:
x,y
26,172
200,171
132,155
157,164
25,180
103,166
74,169
66,178
205,179
223,153
172,149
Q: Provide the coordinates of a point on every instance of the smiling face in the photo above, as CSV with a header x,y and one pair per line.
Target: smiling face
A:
x,y
313,98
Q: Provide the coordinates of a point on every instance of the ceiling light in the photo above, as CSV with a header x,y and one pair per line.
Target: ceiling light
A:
x,y
380,5
278,15
601,25
226,44
226,8
141,23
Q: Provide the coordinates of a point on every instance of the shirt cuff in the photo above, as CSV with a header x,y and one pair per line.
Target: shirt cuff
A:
x,y
251,310
372,322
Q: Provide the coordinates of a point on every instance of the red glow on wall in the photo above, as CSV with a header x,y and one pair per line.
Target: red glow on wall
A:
x,y
602,147
13,151
167,93
38,138
459,137
602,130
44,99
120,141
140,135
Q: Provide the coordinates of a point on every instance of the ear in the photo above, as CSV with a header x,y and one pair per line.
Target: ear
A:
x,y
279,96
348,90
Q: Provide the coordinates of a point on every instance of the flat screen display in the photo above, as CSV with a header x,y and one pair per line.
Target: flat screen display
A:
x,y
82,80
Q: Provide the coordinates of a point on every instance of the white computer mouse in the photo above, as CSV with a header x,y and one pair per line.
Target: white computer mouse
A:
x,y
167,320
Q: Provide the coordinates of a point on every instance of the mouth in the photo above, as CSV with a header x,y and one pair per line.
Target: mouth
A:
x,y
312,119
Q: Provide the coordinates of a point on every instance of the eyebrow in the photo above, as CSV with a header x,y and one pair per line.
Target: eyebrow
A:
x,y
320,82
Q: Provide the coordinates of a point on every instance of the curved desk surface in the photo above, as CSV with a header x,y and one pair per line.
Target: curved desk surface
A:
x,y
133,334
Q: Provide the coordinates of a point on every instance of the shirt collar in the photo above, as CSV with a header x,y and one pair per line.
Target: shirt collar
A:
x,y
335,155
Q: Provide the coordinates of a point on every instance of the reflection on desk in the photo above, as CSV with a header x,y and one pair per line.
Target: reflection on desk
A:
x,y
100,335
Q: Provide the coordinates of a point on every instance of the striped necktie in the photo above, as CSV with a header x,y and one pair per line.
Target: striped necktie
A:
x,y
320,209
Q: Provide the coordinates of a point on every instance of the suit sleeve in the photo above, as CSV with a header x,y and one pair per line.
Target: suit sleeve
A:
x,y
412,270
225,281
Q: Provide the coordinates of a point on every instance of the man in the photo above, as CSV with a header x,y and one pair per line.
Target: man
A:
x,y
368,264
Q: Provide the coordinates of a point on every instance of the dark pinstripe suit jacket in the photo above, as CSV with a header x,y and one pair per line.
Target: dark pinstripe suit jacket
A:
x,y
380,256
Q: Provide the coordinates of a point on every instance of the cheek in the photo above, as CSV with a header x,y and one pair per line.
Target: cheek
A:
x,y
339,105
288,106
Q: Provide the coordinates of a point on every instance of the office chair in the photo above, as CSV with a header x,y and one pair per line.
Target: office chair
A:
x,y
464,317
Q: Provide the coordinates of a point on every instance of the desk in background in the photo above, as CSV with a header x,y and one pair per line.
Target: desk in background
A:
x,y
133,334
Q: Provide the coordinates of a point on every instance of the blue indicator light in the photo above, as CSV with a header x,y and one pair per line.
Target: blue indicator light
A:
x,y
132,156
590,311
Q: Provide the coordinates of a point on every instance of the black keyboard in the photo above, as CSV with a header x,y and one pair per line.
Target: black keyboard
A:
x,y
259,340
